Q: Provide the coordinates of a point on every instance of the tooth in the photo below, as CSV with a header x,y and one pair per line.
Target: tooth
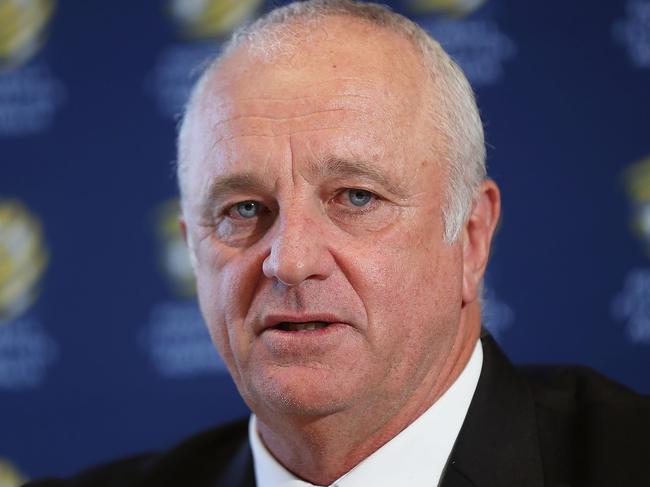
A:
x,y
306,326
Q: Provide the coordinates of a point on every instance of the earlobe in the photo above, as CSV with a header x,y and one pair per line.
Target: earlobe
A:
x,y
477,237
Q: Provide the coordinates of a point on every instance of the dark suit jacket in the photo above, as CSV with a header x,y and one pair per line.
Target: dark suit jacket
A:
x,y
531,427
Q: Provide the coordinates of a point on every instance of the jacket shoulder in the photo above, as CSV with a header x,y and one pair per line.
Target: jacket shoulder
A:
x,y
590,424
119,472
218,457
584,393
195,461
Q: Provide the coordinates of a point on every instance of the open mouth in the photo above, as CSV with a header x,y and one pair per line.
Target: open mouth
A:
x,y
306,326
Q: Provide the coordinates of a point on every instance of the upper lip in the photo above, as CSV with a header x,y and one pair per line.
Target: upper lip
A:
x,y
274,319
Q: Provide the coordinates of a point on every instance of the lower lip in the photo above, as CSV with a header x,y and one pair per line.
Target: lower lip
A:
x,y
306,341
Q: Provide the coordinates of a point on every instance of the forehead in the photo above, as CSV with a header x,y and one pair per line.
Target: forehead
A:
x,y
361,83
326,47
326,64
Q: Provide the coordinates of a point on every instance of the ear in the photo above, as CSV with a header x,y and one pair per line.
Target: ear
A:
x,y
188,241
477,238
183,226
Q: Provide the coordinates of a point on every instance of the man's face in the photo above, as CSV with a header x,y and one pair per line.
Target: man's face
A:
x,y
313,205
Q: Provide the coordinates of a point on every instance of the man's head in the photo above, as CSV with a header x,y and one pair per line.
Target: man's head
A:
x,y
331,166
285,31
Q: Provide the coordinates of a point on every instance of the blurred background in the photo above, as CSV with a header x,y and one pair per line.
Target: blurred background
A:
x,y
103,352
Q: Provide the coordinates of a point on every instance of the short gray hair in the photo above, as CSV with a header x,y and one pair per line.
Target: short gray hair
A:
x,y
460,120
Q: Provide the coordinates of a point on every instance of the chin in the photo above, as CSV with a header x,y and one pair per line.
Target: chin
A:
x,y
297,391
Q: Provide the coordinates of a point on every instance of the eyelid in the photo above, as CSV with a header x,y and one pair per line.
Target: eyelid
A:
x,y
349,207
374,194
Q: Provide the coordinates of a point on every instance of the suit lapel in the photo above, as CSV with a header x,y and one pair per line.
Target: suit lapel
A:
x,y
498,444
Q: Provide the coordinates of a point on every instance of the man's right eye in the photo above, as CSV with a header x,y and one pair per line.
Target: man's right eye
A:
x,y
245,209
240,224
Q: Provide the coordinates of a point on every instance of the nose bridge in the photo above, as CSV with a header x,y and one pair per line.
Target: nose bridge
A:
x,y
298,249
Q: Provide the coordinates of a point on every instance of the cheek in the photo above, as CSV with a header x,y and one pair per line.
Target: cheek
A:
x,y
410,288
414,311
226,284
211,302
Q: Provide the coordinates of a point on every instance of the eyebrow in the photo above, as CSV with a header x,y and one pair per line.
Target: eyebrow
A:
x,y
334,167
224,186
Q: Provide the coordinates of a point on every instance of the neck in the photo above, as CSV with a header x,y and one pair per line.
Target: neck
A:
x,y
322,449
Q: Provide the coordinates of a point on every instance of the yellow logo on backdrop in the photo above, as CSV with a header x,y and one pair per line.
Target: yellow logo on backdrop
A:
x,y
23,258
174,255
637,182
9,475
455,8
212,18
22,28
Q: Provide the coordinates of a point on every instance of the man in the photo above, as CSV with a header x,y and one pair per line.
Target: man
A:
x,y
339,219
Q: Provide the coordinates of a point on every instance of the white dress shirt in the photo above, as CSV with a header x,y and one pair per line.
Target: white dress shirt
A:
x,y
415,457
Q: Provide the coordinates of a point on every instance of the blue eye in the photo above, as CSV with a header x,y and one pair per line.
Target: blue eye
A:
x,y
359,197
248,209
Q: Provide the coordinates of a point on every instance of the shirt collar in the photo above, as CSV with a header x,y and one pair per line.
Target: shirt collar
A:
x,y
420,451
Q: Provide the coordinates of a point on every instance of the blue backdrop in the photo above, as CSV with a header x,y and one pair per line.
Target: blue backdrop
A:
x,y
102,349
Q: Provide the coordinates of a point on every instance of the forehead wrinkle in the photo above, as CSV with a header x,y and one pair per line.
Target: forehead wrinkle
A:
x,y
225,98
275,134
270,125
337,93
240,67
280,118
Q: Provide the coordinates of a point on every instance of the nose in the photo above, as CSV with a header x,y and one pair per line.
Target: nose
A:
x,y
299,251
